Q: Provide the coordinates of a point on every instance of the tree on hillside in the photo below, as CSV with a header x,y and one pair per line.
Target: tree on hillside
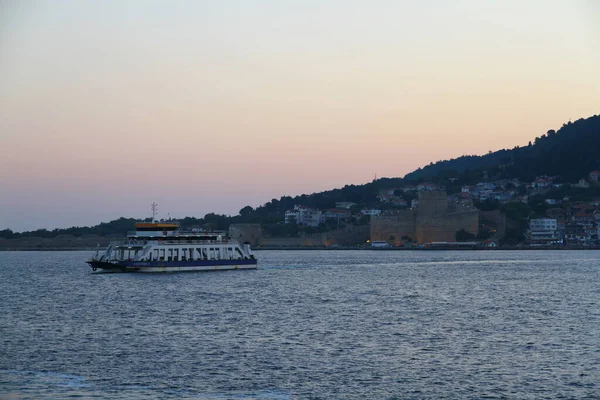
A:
x,y
246,211
7,234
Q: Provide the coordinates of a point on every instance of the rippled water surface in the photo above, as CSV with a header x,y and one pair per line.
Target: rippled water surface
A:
x,y
307,324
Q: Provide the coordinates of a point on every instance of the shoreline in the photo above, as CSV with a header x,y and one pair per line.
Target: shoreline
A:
x,y
511,248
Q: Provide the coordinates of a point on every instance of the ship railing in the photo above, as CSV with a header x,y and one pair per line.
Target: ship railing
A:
x,y
140,242
183,232
192,241
127,242
162,221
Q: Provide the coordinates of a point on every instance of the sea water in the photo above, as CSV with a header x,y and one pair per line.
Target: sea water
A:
x,y
306,325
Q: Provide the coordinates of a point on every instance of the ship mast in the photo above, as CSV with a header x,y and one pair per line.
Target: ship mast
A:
x,y
154,208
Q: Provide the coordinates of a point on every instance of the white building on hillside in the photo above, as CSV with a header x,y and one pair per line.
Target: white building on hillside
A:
x,y
543,232
543,224
344,204
371,212
303,216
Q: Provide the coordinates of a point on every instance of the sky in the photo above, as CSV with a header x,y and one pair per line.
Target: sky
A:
x,y
208,106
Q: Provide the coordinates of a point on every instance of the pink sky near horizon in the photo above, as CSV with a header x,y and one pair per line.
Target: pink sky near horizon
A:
x,y
211,106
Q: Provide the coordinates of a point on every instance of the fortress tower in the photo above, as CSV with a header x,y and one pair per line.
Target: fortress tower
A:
x,y
432,203
435,220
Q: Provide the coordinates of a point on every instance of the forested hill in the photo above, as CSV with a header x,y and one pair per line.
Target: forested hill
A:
x,y
570,153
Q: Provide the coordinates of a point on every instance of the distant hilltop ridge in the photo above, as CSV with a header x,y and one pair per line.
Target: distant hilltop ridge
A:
x,y
567,155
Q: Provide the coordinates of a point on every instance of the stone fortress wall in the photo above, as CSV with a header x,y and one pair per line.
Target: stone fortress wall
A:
x,y
246,233
347,236
443,228
435,220
394,226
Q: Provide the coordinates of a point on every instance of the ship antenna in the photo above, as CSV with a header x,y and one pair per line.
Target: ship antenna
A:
x,y
154,208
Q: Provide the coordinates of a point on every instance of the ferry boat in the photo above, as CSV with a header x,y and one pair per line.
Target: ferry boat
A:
x,y
164,247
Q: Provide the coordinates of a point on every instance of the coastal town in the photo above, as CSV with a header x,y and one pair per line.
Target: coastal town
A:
x,y
480,215
490,214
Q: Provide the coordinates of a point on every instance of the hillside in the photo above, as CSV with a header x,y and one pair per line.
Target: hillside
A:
x,y
570,154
